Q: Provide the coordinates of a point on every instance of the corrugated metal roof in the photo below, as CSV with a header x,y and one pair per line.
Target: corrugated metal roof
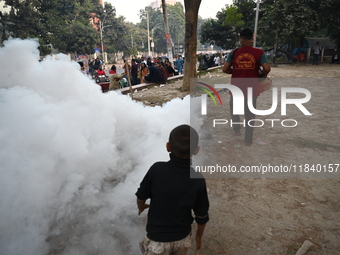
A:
x,y
325,42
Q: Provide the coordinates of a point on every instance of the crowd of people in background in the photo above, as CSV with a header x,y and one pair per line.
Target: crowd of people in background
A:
x,y
149,70
143,70
157,70
212,60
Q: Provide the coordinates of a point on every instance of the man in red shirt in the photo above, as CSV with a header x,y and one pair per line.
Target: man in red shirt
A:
x,y
100,71
244,66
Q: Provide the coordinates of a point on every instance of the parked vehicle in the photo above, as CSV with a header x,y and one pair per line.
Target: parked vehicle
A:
x,y
101,78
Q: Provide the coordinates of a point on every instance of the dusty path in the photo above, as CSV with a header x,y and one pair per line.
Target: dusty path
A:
x,y
274,214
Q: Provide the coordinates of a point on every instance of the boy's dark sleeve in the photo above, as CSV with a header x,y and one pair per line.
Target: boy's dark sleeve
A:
x,y
201,207
144,190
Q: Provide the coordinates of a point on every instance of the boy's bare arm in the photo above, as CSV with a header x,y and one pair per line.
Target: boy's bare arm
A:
x,y
141,205
199,234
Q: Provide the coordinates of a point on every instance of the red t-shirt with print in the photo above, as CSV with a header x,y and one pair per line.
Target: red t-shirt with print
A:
x,y
246,64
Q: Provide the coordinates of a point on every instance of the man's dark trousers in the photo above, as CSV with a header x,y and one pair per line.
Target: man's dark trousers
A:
x,y
248,115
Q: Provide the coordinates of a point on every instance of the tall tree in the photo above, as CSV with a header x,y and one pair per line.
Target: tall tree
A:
x,y
191,16
224,29
247,9
330,18
218,31
64,24
176,19
116,32
23,19
156,27
234,19
291,20
177,22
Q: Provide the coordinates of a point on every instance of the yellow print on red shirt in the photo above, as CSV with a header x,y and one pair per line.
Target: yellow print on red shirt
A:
x,y
245,61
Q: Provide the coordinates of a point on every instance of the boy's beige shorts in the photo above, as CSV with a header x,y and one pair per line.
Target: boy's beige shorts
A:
x,y
149,247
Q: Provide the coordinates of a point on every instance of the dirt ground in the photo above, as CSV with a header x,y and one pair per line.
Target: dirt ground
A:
x,y
255,213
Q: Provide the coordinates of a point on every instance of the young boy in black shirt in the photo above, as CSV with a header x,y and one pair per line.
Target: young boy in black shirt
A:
x,y
174,195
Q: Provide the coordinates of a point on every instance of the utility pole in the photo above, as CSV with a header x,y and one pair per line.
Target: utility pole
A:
x,y
148,25
167,31
101,38
101,28
153,42
256,21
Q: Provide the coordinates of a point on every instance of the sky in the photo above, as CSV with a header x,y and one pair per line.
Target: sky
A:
x,y
130,9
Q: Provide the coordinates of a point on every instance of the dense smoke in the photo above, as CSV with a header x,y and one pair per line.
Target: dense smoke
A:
x,y
71,157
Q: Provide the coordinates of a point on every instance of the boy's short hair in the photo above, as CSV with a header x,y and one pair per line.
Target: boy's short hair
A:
x,y
183,141
246,34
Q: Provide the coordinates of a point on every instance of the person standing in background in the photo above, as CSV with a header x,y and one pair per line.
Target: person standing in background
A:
x,y
179,65
244,65
114,78
171,71
317,51
217,60
134,72
143,71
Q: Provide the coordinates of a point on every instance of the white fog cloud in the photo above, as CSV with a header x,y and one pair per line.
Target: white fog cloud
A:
x,y
71,157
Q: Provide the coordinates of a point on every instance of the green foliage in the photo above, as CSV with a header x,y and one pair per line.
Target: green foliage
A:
x,y
66,26
332,19
290,19
246,8
156,28
233,17
214,31
218,30
115,30
286,20
63,24
23,17
176,20
295,19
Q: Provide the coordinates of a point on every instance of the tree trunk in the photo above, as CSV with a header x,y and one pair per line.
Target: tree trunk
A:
x,y
167,31
275,48
191,16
